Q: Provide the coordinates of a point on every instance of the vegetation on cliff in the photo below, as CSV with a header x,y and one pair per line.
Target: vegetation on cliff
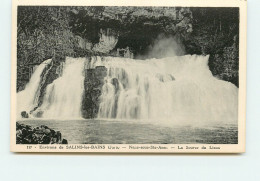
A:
x,y
216,32
46,32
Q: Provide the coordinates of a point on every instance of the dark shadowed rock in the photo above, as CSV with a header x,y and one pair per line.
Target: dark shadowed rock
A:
x,y
116,84
24,114
94,80
25,134
64,141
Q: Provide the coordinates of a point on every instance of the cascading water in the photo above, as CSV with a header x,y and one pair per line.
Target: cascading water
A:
x,y
28,98
176,88
62,98
64,95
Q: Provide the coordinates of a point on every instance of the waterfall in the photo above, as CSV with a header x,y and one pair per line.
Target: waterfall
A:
x,y
175,88
180,88
63,96
28,98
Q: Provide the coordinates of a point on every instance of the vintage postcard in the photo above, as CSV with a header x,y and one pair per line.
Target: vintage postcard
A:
x,y
128,76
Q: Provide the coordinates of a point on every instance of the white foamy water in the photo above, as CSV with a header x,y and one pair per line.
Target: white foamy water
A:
x,y
180,89
28,98
64,95
171,89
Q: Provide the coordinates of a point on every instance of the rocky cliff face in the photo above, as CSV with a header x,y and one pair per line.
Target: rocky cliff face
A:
x,y
128,32
107,41
109,28
196,30
49,74
94,80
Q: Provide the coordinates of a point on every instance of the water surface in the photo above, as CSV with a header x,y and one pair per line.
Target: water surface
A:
x,y
137,132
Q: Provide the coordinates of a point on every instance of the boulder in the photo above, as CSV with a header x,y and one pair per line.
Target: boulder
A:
x,y
25,134
64,141
24,114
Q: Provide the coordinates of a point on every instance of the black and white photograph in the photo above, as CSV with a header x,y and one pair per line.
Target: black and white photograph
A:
x,y
128,78
130,90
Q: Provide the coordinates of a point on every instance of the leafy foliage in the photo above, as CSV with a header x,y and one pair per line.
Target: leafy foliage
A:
x,y
216,32
42,32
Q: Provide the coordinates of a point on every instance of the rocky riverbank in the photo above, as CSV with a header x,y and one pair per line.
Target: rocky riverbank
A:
x,y
26,134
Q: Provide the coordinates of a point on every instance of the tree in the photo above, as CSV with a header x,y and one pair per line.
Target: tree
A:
x,y
42,33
